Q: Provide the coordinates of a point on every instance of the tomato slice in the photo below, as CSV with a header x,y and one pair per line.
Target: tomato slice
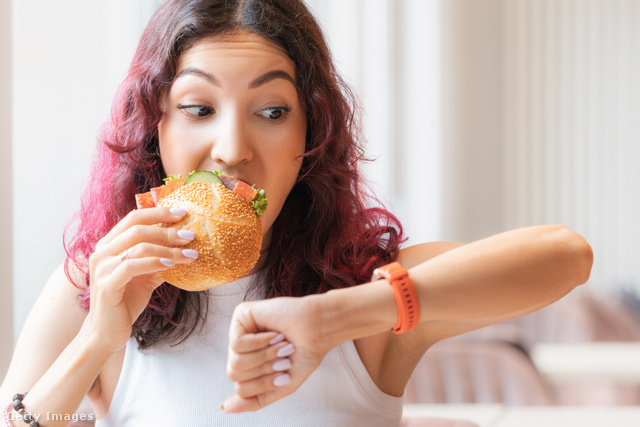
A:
x,y
171,186
145,200
150,198
155,194
240,187
245,190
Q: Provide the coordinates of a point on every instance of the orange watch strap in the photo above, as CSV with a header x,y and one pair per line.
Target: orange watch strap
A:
x,y
405,294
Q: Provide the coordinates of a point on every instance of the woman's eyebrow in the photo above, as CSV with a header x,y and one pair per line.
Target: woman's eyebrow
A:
x,y
257,82
192,71
271,75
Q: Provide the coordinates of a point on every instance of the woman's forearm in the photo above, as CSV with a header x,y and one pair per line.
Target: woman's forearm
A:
x,y
58,394
502,276
459,288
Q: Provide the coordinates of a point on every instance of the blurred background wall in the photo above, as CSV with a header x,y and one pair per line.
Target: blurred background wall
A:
x,y
483,115
67,59
502,114
571,126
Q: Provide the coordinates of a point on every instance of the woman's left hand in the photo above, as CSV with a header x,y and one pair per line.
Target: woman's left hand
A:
x,y
274,345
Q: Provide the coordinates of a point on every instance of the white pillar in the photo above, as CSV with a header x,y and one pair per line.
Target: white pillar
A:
x,y
6,233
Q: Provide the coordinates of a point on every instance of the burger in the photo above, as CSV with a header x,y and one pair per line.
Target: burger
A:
x,y
224,214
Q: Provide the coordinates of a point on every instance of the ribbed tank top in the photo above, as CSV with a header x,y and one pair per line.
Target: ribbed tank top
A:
x,y
185,384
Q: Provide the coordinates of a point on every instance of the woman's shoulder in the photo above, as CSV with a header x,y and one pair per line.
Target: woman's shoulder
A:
x,y
62,289
57,309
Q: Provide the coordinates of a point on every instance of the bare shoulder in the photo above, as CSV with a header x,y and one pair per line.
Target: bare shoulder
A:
x,y
53,322
57,310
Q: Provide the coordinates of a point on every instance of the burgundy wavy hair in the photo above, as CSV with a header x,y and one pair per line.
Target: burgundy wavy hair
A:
x,y
327,235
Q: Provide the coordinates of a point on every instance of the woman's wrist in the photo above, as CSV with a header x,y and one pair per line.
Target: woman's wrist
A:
x,y
96,340
357,312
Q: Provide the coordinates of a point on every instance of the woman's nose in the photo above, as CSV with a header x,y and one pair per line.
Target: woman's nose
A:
x,y
232,145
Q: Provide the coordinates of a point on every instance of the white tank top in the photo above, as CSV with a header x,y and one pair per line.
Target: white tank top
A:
x,y
185,385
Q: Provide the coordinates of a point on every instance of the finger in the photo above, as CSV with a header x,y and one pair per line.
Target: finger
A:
x,y
131,268
148,216
262,385
137,234
155,279
143,259
252,342
243,362
145,250
270,367
114,254
237,403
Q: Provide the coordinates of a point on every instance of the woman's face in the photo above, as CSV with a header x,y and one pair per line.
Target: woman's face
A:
x,y
234,107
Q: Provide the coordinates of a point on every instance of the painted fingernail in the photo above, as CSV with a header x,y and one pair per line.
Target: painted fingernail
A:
x,y
178,211
190,253
282,380
166,262
186,234
281,365
276,339
286,351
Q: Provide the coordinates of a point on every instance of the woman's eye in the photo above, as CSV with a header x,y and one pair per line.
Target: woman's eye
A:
x,y
275,113
196,111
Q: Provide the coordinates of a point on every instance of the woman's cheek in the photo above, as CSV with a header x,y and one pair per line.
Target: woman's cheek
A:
x,y
180,148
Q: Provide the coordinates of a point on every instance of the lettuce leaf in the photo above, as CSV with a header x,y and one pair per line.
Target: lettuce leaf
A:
x,y
259,202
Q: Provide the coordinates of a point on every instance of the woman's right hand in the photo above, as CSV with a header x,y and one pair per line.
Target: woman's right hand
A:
x,y
124,271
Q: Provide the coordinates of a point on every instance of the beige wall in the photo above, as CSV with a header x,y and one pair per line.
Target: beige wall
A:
x,y
540,107
6,276
472,118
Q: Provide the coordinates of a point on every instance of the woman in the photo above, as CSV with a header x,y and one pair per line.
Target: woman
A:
x,y
248,88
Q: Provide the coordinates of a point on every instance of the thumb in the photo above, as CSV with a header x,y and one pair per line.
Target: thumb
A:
x,y
237,404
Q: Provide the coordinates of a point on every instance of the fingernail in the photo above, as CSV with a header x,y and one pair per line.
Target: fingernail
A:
x,y
281,365
178,211
222,407
276,339
286,351
186,234
190,253
166,262
282,380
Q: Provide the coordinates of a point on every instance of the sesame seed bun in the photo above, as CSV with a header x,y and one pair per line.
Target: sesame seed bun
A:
x,y
228,236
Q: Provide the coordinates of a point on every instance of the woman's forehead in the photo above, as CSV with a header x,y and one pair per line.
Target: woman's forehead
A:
x,y
240,45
